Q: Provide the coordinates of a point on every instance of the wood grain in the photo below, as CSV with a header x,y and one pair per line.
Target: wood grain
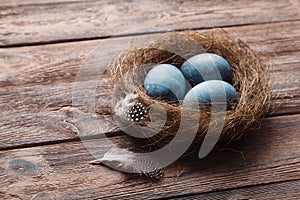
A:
x,y
18,3
59,63
287,190
269,155
41,155
26,24
37,84
36,114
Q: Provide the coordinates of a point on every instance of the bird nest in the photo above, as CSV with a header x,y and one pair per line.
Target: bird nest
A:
x,y
250,78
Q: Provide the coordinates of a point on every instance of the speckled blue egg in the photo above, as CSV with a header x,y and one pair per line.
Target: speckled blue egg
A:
x,y
204,67
165,81
212,91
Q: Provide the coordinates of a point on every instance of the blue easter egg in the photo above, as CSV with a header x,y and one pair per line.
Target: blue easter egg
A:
x,y
213,91
204,67
165,81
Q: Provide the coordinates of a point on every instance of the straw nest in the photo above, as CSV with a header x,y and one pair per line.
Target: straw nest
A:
x,y
250,78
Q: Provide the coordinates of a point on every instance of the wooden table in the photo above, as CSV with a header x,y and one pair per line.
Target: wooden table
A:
x,y
43,45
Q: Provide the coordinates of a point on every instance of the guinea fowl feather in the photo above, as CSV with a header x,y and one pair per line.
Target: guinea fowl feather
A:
x,y
125,160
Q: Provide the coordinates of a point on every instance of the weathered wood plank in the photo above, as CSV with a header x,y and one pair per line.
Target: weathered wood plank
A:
x,y
269,155
38,114
21,25
40,2
33,112
60,63
287,190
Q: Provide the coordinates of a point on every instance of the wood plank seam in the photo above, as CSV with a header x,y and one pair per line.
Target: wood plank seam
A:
x,y
231,189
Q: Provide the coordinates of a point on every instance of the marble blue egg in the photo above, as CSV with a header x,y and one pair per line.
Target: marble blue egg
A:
x,y
204,67
213,91
165,81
